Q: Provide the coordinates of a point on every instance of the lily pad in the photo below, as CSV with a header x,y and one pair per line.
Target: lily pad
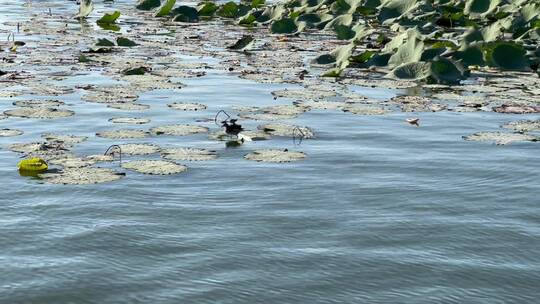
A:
x,y
516,109
129,106
275,156
72,162
524,125
63,138
123,134
139,149
82,176
254,135
188,154
10,132
39,112
280,129
178,130
501,138
359,109
154,167
129,120
186,106
47,103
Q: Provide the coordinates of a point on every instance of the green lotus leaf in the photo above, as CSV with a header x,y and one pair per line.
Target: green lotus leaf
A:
x,y
207,9
506,55
480,7
109,18
284,26
185,13
166,8
147,5
122,41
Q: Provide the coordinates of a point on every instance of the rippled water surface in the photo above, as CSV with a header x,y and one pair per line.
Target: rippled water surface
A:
x,y
379,212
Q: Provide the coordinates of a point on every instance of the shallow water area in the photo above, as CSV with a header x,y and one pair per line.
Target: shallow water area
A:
x,y
379,211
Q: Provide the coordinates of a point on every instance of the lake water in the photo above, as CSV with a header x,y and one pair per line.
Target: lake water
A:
x,y
379,212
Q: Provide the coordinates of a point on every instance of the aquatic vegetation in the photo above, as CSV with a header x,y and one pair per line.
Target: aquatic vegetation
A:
x,y
123,134
64,139
275,156
10,132
72,162
129,120
288,130
154,167
178,130
82,176
501,138
360,109
523,126
139,149
186,106
39,112
188,154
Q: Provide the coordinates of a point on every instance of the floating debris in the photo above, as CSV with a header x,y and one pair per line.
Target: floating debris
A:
x,y
123,134
129,120
524,126
186,106
501,138
10,132
82,176
188,154
154,167
39,112
280,129
139,149
275,156
178,130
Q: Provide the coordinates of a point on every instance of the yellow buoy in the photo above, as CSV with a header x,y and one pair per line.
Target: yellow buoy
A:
x,y
33,165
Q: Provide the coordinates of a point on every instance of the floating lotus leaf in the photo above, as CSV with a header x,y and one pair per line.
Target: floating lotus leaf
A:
x,y
187,106
10,132
275,156
100,158
280,129
129,120
322,105
123,134
285,109
139,149
524,125
359,109
178,130
72,162
154,167
303,94
188,154
47,103
104,42
207,9
517,109
39,112
82,176
63,138
129,106
266,116
501,138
